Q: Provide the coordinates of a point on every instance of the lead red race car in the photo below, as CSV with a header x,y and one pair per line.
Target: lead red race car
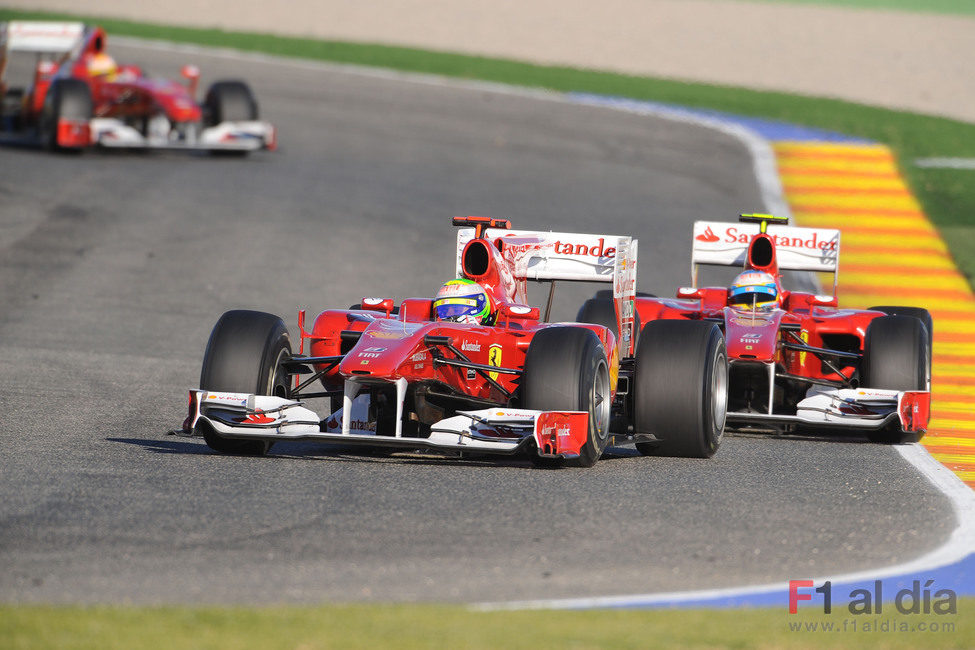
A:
x,y
797,361
472,370
77,97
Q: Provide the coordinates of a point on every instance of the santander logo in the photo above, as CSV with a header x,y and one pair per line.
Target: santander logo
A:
x,y
808,238
596,250
708,235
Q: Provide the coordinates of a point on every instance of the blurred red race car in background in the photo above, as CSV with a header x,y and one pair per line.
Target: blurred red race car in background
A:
x,y
796,360
78,97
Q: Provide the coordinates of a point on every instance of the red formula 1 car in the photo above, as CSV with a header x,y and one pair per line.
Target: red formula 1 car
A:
x,y
797,361
423,375
79,97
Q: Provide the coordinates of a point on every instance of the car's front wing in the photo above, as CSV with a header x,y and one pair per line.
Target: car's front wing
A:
x,y
556,434
227,136
851,408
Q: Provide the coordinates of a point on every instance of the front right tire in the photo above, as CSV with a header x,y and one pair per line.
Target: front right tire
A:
x,y
245,354
566,370
895,357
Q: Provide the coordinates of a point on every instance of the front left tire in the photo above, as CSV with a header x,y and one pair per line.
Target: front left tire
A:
x,y
65,99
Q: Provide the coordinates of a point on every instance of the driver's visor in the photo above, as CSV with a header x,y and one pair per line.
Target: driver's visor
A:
x,y
760,292
452,307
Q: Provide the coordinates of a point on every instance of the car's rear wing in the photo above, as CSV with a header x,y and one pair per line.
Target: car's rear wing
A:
x,y
542,255
796,249
43,37
550,256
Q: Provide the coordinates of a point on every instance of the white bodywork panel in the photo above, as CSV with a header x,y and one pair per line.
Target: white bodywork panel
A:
x,y
796,249
540,255
226,136
40,36
857,408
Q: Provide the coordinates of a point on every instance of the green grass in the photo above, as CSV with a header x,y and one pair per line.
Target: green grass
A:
x,y
425,626
922,6
948,196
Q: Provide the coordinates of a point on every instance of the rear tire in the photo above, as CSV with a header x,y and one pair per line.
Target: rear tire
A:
x,y
68,99
895,357
602,311
245,355
681,388
566,370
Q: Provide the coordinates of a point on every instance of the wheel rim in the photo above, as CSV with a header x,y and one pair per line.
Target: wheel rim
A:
x,y
600,400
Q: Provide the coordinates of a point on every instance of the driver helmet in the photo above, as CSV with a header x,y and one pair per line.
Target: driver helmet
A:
x,y
102,65
753,289
463,301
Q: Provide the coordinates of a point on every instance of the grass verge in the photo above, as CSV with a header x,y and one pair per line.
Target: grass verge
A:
x,y
426,626
948,196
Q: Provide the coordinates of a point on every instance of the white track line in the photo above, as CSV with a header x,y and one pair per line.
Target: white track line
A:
x,y
962,540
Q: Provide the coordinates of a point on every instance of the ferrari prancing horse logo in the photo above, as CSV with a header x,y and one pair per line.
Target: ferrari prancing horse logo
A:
x,y
494,359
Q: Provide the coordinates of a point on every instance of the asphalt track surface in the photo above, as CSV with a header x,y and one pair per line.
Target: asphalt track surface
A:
x,y
116,266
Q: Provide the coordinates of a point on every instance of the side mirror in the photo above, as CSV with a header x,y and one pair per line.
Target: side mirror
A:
x,y
822,300
508,311
192,75
690,293
378,304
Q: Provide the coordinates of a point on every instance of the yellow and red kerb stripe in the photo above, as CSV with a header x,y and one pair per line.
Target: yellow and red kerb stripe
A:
x,y
891,254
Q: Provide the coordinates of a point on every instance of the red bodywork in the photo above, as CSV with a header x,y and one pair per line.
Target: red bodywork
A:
x,y
128,95
392,346
755,338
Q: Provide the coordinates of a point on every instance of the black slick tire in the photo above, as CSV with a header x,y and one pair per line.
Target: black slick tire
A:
x,y
895,357
921,314
245,355
229,101
681,388
566,370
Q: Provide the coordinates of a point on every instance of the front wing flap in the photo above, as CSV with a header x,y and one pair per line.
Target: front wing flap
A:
x,y
556,434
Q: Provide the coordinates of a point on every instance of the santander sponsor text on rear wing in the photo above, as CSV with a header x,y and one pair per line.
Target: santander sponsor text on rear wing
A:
x,y
551,256
796,248
40,36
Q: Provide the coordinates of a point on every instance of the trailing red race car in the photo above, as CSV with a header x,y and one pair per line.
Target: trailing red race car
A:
x,y
796,360
79,97
474,369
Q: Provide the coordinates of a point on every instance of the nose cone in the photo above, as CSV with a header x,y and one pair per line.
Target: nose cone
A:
x,y
383,348
752,335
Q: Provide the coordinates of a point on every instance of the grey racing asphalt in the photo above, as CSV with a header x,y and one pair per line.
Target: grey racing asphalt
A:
x,y
116,265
